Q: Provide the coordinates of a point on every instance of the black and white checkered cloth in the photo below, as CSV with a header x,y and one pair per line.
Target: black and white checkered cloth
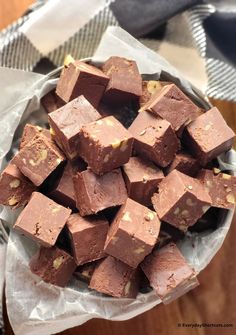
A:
x,y
210,23
207,26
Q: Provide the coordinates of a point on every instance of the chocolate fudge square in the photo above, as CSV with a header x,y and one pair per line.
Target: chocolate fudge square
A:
x,y
95,193
16,190
133,233
125,80
51,102
66,124
112,277
38,159
53,265
105,145
80,78
208,136
184,163
154,138
142,178
88,236
181,200
167,271
64,193
220,186
172,105
42,219
30,131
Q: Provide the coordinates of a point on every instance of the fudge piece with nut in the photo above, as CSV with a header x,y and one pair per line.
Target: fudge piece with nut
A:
x,y
221,187
125,80
80,78
181,200
142,178
154,138
105,145
38,159
53,265
208,136
66,124
172,105
133,233
16,190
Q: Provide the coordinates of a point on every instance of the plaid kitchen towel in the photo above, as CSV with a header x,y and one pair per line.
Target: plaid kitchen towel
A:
x,y
204,32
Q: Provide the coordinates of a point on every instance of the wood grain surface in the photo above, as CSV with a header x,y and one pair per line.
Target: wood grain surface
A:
x,y
213,302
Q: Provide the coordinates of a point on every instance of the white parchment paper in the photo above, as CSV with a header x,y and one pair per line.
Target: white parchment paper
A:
x,y
35,307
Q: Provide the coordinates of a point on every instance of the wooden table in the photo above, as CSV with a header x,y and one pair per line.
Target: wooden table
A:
x,y
214,301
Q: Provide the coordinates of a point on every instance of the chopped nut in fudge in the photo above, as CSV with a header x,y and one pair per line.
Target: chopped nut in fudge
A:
x,y
38,159
208,136
220,186
133,233
42,219
95,193
172,105
16,189
66,124
149,87
88,236
105,145
53,265
169,273
154,138
79,78
112,277
184,163
142,178
125,80
181,200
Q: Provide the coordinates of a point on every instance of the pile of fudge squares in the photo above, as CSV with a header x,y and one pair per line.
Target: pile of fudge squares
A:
x,y
124,170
